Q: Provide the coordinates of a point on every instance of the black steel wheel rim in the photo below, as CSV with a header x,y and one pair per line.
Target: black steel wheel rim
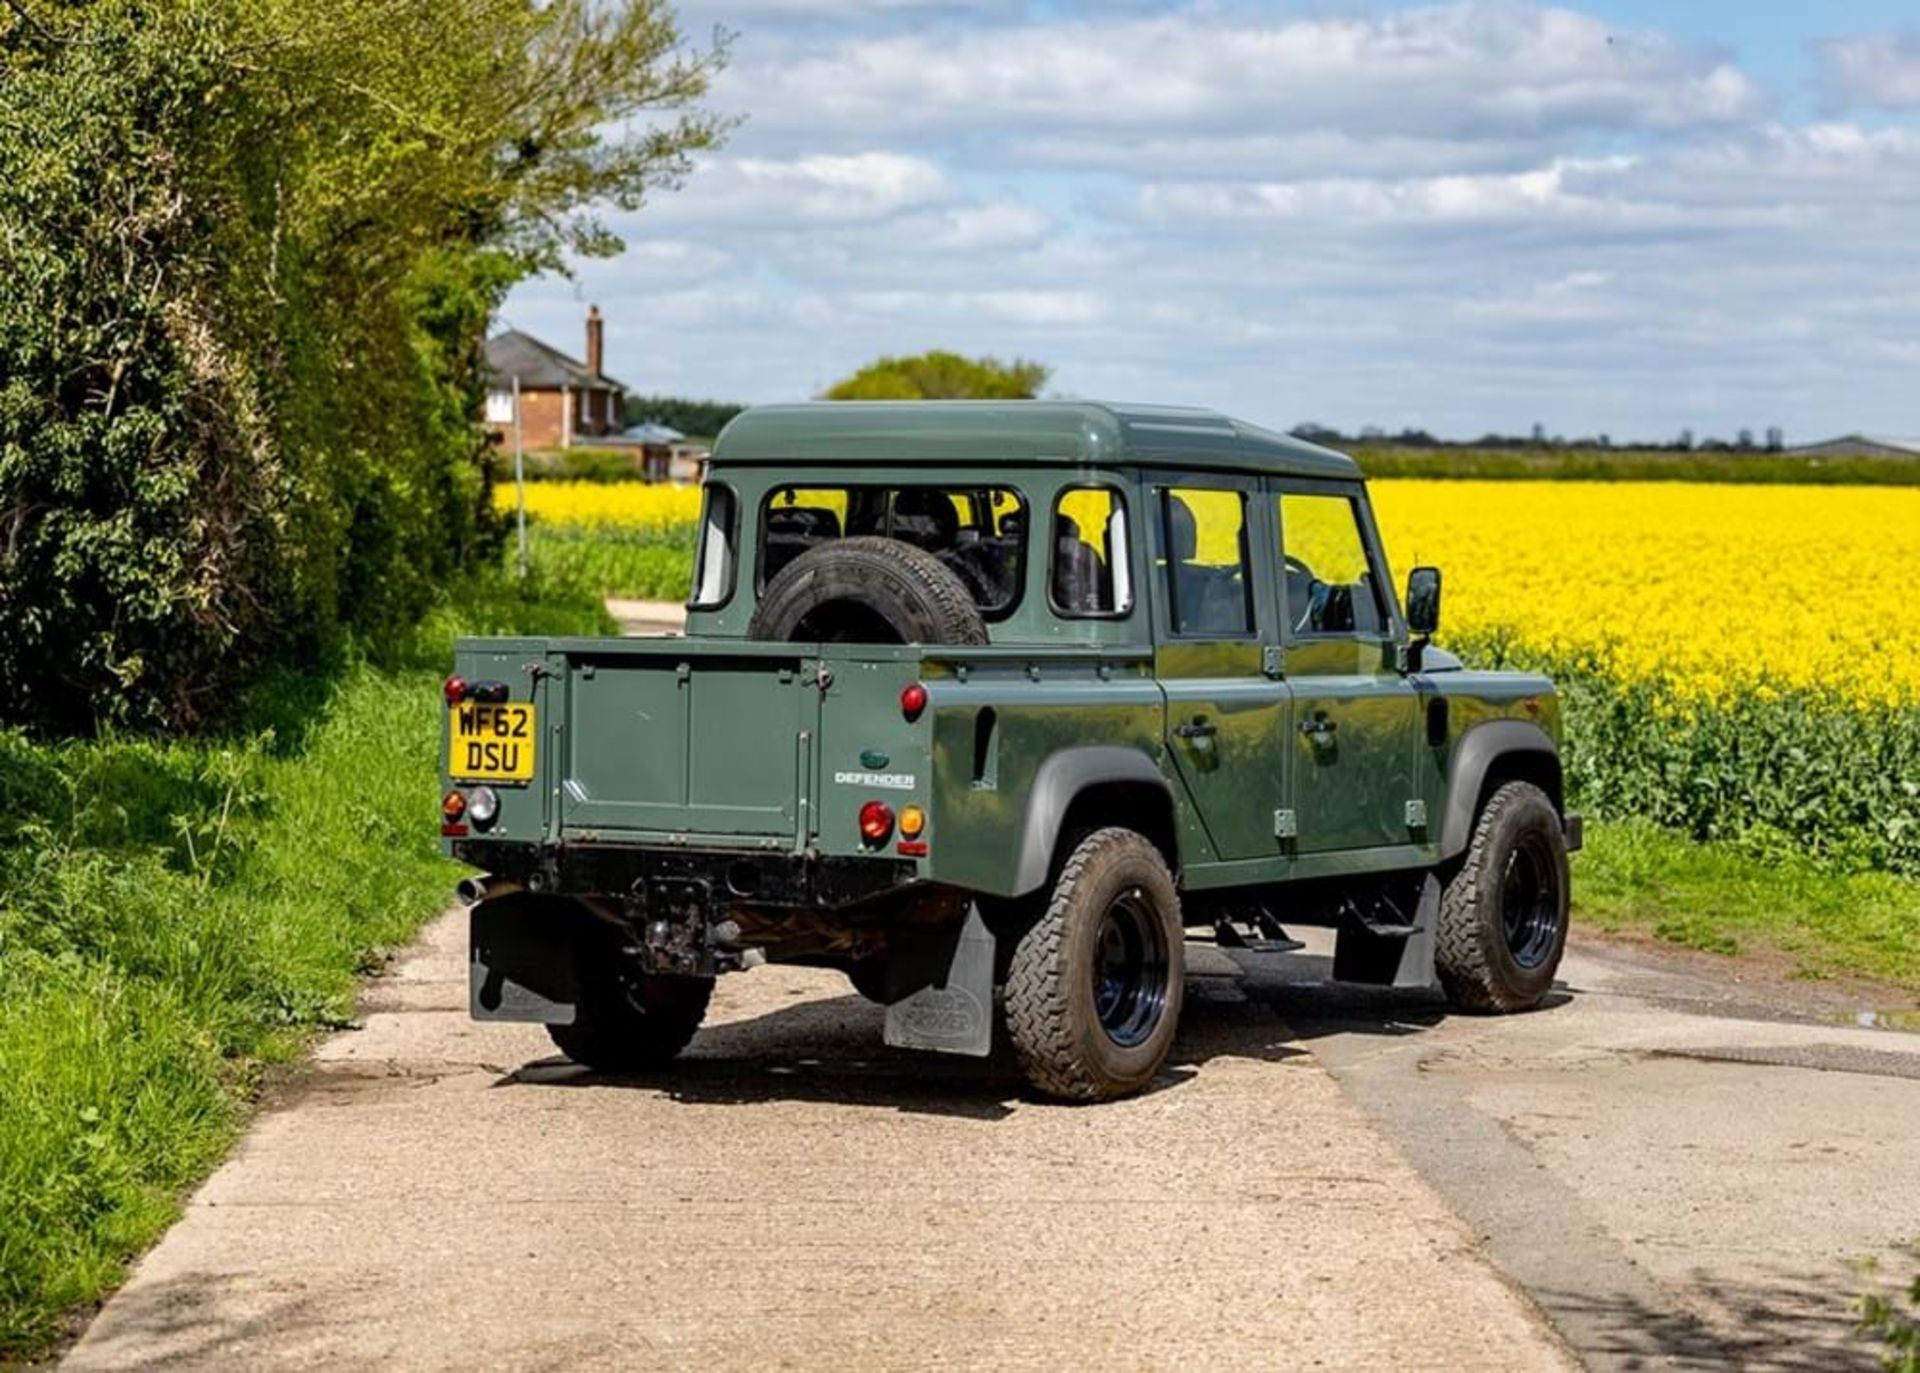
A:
x,y
1131,968
1530,901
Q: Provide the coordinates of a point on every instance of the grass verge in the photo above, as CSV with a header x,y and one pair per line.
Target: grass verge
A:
x,y
177,915
1635,876
644,564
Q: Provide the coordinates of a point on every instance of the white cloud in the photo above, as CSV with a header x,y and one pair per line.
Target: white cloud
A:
x,y
1462,217
1876,69
1465,70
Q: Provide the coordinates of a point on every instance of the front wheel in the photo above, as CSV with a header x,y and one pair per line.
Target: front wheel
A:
x,y
1093,993
1503,915
627,1020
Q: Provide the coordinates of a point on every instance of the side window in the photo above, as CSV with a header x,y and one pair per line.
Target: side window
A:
x,y
1209,572
719,536
1091,574
1330,587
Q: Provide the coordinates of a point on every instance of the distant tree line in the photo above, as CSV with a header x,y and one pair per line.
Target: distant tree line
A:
x,y
704,418
1373,436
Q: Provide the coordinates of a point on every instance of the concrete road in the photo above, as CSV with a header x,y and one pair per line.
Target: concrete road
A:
x,y
437,1193
1681,1165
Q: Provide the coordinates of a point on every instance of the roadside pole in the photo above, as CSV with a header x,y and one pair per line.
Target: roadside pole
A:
x,y
520,477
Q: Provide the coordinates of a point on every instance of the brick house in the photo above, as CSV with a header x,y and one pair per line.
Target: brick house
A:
x,y
563,401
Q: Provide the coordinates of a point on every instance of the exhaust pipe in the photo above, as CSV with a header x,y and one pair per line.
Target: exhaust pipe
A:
x,y
473,890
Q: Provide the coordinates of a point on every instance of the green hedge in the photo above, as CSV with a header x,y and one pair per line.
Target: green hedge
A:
x,y
1622,464
1799,773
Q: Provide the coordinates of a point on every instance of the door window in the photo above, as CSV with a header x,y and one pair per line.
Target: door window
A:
x,y
1090,577
1208,570
1331,587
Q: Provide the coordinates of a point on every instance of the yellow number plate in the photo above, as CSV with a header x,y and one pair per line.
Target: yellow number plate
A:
x,y
490,743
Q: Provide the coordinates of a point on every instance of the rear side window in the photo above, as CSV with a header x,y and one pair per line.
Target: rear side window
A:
x,y
1330,587
1090,576
1208,571
718,554
977,533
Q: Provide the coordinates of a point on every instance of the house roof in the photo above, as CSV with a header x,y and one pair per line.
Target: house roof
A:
x,y
1086,433
513,354
1903,445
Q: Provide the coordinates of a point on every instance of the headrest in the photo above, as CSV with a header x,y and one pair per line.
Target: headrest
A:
x,y
1182,532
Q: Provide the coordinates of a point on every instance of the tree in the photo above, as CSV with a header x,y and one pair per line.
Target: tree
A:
x,y
940,375
251,247
702,417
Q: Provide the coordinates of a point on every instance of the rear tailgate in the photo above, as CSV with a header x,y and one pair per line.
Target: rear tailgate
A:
x,y
687,736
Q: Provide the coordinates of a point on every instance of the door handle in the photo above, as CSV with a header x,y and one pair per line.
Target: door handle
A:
x,y
1199,729
1318,729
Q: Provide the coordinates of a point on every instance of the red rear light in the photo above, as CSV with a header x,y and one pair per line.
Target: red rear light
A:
x,y
876,822
456,690
913,700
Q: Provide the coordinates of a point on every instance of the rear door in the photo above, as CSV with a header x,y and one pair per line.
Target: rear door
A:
x,y
1226,707
688,740
1355,715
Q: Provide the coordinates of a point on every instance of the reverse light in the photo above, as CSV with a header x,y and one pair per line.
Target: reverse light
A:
x,y
912,821
913,700
483,807
876,822
455,690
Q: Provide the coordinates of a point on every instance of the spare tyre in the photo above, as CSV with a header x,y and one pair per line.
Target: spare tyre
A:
x,y
867,591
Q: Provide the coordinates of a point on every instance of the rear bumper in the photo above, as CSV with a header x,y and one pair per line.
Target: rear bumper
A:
x,y
793,880
1574,827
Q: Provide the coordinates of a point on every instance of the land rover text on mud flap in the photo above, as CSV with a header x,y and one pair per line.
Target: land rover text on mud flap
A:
x,y
991,706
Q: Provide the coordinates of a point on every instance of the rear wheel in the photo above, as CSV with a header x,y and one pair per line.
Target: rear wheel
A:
x,y
1503,915
627,1020
1093,993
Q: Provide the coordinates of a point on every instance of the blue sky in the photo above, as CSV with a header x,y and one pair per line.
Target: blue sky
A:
x,y
1627,217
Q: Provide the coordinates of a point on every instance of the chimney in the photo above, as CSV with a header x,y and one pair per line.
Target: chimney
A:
x,y
596,331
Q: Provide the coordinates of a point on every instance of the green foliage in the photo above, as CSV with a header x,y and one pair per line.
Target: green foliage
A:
x,y
694,418
643,564
1794,773
569,464
1894,1322
1628,464
174,915
940,375
1633,875
251,246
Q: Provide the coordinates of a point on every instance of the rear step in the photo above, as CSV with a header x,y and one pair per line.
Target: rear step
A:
x,y
1264,934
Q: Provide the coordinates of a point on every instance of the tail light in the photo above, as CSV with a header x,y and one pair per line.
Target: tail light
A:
x,y
913,700
455,690
876,822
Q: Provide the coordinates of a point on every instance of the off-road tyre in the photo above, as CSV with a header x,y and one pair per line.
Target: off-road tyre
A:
x,y
1475,950
1052,1007
628,1021
867,590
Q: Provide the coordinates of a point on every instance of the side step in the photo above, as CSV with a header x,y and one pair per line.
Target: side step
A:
x,y
1265,936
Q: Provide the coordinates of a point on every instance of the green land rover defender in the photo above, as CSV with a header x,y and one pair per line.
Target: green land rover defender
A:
x,y
993,707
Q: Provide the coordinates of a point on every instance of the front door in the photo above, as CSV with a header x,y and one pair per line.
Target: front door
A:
x,y
1355,714
1226,707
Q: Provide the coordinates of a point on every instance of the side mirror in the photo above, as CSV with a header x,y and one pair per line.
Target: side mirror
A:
x,y
1423,600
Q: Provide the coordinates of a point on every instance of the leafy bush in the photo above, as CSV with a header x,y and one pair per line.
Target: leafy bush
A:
x,y
251,246
941,375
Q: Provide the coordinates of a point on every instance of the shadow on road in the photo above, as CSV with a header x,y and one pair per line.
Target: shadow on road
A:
x,y
830,1050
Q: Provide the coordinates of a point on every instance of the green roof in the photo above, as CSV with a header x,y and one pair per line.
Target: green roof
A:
x,y
1047,432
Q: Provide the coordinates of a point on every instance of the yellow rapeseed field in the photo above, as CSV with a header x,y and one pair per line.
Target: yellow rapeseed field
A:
x,y
636,504
1712,588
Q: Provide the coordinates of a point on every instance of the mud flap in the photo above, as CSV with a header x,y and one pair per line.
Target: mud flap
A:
x,y
940,989
519,966
1392,960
